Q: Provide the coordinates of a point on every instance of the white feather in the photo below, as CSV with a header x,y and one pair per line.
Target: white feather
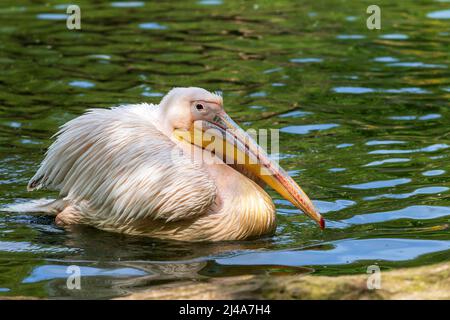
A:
x,y
118,162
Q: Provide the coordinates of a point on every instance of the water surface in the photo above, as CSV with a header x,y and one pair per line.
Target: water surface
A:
x,y
364,120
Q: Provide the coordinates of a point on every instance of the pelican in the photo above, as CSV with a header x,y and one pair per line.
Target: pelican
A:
x,y
135,169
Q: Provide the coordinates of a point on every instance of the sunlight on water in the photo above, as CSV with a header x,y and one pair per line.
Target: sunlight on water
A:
x,y
394,36
442,14
152,26
363,118
49,272
345,251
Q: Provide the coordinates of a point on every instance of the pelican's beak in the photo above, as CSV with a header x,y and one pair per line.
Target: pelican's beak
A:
x,y
233,144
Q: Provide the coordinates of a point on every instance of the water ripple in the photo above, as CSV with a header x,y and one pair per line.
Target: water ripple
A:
x,y
49,272
21,246
394,36
414,90
441,14
152,26
305,129
210,2
385,59
391,160
350,36
343,252
431,116
432,173
295,114
432,148
417,65
51,16
412,212
381,142
378,184
82,84
420,191
362,90
353,90
331,206
306,60
344,145
337,169
130,4
321,205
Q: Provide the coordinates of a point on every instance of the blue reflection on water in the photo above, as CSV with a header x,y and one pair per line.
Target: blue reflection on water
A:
x,y
394,36
305,129
51,16
425,190
353,90
441,14
82,84
342,252
431,116
306,60
385,59
210,2
417,65
378,184
432,148
350,36
129,4
24,246
432,173
412,212
152,26
381,142
294,114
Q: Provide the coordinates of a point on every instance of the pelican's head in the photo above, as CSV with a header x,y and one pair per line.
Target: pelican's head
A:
x,y
197,116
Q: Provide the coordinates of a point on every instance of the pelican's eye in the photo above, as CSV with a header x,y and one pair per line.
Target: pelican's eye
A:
x,y
199,106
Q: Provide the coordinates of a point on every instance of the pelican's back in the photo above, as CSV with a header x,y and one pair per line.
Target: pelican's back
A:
x,y
124,168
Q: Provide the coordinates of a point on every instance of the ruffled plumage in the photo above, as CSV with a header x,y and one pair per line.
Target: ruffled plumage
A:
x,y
124,167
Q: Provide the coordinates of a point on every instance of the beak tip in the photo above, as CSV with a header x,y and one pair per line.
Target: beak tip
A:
x,y
322,223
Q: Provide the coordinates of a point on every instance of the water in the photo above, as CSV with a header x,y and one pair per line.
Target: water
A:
x,y
364,118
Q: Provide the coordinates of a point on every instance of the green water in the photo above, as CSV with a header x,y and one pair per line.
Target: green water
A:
x,y
364,118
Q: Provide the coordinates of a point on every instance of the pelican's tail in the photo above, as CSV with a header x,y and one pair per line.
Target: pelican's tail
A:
x,y
45,206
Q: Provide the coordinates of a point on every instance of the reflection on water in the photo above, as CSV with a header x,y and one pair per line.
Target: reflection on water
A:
x,y
413,212
431,173
426,190
152,26
128,4
363,117
308,128
50,272
441,14
379,184
394,36
344,251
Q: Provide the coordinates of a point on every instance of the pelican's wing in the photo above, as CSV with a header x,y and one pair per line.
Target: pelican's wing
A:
x,y
118,161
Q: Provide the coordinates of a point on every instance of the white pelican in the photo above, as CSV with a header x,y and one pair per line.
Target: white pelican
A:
x,y
133,169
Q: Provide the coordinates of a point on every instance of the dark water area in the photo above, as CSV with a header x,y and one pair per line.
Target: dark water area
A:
x,y
363,116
